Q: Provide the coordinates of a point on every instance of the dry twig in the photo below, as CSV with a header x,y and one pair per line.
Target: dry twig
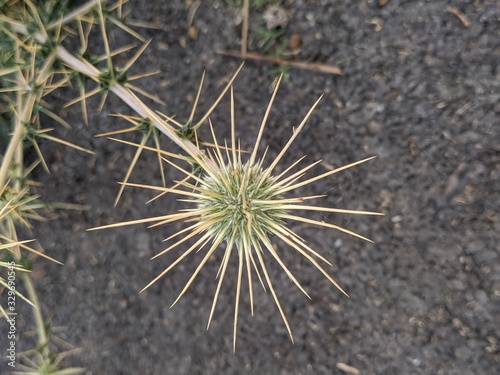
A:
x,y
315,67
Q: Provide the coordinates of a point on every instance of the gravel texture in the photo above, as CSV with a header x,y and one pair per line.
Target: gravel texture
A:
x,y
420,89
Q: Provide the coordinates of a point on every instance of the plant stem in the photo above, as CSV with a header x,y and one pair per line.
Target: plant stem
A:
x,y
12,168
129,98
14,143
43,341
124,93
143,110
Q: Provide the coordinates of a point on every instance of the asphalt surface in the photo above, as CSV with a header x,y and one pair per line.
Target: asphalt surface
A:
x,y
420,89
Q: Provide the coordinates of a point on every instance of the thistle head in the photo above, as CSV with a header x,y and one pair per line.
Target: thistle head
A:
x,y
240,202
238,205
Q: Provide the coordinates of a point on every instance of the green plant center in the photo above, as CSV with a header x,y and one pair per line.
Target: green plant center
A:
x,y
241,202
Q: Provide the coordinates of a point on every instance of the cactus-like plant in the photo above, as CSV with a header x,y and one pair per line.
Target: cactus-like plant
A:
x,y
239,204
234,202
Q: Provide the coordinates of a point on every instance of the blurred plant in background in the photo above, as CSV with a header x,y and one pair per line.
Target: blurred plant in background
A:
x,y
31,37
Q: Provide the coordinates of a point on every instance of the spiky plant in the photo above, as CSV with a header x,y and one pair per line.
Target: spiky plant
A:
x,y
240,204
31,36
233,202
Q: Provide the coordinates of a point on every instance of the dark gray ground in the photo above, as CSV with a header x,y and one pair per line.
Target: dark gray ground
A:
x,y
422,93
